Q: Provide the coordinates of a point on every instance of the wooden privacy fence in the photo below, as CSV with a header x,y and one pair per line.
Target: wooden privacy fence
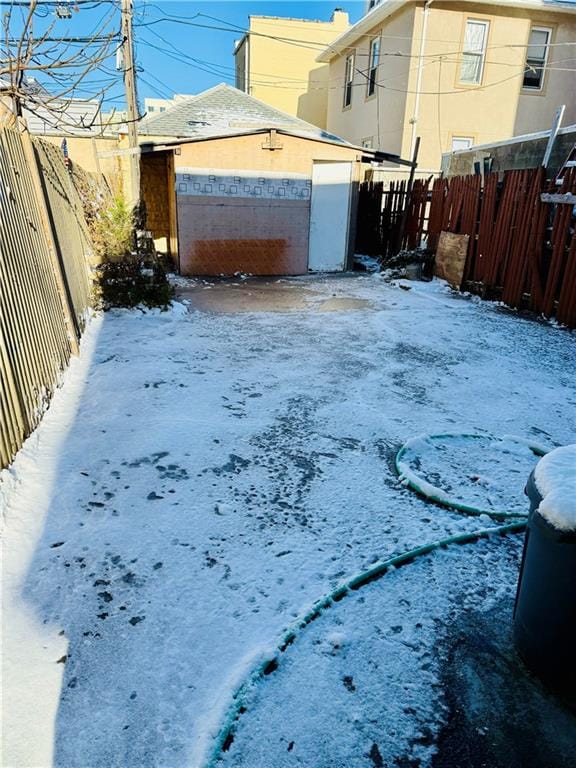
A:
x,y
522,248
390,220
44,281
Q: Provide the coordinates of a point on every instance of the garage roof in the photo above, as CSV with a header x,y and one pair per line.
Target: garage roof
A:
x,y
225,110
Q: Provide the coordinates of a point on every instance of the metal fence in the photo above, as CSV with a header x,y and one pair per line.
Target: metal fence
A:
x,y
71,235
44,282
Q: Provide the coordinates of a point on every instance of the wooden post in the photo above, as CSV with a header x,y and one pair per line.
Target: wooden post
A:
x,y
408,195
67,309
131,101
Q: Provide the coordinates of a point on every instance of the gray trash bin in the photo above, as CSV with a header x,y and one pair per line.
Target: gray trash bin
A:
x,y
545,609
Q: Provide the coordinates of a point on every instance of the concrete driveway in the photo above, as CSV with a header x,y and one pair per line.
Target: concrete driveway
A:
x,y
205,474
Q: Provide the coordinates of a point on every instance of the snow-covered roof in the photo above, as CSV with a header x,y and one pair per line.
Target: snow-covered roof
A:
x,y
224,110
385,8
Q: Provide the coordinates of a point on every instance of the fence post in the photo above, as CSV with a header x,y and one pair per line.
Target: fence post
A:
x,y
69,317
408,196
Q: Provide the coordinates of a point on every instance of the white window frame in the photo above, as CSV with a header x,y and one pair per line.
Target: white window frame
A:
x,y
461,138
531,88
481,54
373,64
368,142
348,80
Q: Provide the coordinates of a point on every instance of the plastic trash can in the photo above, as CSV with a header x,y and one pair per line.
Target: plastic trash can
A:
x,y
545,609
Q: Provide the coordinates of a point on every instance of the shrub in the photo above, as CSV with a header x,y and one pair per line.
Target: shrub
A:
x,y
127,282
113,229
130,272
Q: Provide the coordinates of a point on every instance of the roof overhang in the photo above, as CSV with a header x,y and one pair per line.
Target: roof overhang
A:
x,y
160,146
386,8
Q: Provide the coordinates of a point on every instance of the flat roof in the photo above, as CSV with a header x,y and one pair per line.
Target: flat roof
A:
x,y
513,140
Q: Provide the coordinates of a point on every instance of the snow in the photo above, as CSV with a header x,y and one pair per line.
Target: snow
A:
x,y
383,685
204,477
477,472
555,478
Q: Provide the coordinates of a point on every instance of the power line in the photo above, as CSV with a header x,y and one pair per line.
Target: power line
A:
x,y
84,40
94,3
189,21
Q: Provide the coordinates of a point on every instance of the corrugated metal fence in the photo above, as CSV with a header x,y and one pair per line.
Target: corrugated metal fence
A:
x,y
44,281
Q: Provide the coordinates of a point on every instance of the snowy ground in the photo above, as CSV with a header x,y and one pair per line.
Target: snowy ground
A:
x,y
203,477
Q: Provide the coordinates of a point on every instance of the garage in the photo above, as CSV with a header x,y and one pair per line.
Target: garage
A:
x,y
278,199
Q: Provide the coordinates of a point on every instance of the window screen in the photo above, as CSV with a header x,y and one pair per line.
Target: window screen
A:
x,y
473,51
373,65
348,80
536,58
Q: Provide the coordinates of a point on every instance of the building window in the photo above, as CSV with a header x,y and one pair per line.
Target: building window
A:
x,y
368,143
162,109
348,80
373,65
151,109
536,57
461,142
474,51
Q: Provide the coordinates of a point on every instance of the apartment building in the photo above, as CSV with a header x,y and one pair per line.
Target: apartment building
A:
x,y
276,62
153,106
456,74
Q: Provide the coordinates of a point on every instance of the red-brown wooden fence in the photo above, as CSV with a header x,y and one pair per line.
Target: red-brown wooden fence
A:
x,y
522,250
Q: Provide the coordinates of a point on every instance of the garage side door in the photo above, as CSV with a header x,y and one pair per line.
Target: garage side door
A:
x,y
231,222
329,216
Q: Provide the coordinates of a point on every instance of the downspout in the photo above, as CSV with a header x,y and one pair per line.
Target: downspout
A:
x,y
416,114
247,66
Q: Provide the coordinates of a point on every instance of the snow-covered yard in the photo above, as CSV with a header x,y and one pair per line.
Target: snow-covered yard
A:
x,y
205,475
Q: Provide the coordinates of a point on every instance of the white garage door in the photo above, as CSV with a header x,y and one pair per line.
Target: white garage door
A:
x,y
329,216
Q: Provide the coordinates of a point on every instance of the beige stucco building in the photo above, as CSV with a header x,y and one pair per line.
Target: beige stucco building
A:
x,y
276,62
455,73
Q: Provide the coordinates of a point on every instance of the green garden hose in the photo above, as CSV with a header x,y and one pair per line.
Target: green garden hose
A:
x,y
466,509
239,703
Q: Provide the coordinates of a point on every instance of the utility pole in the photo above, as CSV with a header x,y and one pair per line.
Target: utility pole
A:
x,y
131,101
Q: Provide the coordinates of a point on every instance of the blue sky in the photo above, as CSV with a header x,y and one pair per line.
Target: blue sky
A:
x,y
185,53
162,73
163,44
